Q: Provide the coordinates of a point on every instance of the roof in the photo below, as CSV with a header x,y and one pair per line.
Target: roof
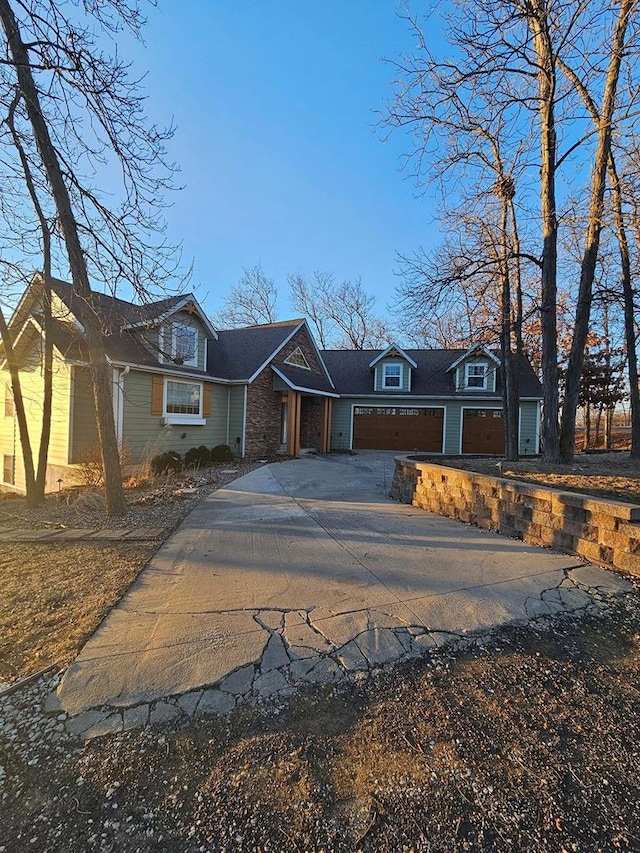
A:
x,y
393,350
352,375
118,314
239,353
301,379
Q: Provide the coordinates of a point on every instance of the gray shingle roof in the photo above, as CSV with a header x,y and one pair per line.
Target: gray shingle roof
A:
x,y
300,377
116,313
351,373
238,353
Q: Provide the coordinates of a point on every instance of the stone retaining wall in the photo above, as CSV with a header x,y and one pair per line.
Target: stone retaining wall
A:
x,y
600,530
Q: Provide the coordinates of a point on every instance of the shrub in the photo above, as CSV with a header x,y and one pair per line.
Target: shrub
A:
x,y
221,454
90,468
166,463
197,457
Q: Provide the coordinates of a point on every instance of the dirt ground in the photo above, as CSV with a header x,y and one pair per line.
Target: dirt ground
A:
x,y
610,475
526,741
54,596
529,741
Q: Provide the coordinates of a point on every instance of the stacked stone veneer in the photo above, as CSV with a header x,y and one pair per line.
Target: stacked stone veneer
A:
x,y
264,404
602,531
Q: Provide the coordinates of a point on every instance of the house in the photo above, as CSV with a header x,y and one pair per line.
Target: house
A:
x,y
180,383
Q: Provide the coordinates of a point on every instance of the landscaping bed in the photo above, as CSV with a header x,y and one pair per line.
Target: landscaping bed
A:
x,y
55,595
609,475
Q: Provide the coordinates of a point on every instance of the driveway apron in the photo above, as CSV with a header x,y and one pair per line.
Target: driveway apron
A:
x,y
304,570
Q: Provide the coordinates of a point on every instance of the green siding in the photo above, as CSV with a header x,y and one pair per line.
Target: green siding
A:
x,y
529,428
163,341
406,374
33,390
236,417
84,431
461,373
145,434
341,424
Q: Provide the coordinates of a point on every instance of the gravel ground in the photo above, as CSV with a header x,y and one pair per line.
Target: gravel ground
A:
x,y
526,740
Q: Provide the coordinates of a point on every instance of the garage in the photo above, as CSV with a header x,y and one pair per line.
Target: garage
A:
x,y
398,428
483,432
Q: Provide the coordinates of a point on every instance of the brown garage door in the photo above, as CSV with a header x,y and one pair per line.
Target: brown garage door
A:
x,y
397,428
483,431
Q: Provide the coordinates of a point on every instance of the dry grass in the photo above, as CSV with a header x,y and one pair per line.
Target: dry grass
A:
x,y
608,475
53,598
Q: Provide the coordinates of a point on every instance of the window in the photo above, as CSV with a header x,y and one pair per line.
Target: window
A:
x,y
8,470
9,405
476,376
298,359
184,344
392,376
184,398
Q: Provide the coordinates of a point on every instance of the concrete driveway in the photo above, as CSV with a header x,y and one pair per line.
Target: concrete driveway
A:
x,y
300,571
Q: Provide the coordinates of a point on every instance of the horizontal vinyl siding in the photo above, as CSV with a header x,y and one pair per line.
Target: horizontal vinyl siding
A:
x,y
164,341
341,424
528,428
84,431
32,384
145,435
236,417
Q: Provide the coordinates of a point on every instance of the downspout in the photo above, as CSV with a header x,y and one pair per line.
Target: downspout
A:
x,y
118,414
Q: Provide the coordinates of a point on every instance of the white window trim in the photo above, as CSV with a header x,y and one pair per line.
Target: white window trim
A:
x,y
297,351
13,471
386,387
485,380
169,418
193,362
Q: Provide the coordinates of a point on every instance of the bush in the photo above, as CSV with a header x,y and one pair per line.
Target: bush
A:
x,y
166,463
197,457
221,454
90,468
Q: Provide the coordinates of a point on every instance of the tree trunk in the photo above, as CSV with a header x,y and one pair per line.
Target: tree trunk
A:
x,y
627,294
36,490
592,238
549,361
100,371
509,404
587,425
18,402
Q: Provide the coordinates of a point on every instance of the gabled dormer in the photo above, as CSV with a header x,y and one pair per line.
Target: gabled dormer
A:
x,y
392,370
475,370
179,335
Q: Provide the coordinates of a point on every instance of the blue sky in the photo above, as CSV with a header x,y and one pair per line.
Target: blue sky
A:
x,y
275,105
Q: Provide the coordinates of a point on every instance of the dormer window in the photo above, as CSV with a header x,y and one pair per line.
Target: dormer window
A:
x,y
392,376
184,344
476,376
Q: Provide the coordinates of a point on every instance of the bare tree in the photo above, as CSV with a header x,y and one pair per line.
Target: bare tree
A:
x,y
77,109
251,301
342,314
310,298
604,123
509,63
